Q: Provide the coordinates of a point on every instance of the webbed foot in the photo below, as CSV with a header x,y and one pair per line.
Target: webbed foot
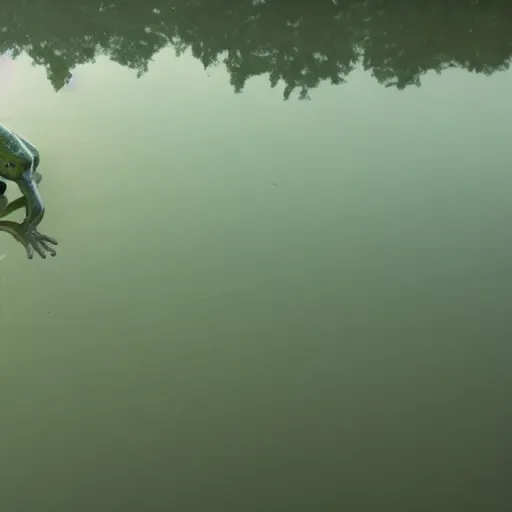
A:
x,y
30,238
33,240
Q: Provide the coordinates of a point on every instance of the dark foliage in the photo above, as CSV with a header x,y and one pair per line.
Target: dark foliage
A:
x,y
296,43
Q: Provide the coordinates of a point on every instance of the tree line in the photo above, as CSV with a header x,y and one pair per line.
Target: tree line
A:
x,y
298,44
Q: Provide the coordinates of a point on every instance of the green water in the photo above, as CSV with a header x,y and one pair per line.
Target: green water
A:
x,y
260,304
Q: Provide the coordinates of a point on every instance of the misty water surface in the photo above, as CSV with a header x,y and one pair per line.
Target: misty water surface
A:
x,y
284,264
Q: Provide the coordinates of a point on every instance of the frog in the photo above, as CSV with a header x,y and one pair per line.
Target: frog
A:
x,y
19,161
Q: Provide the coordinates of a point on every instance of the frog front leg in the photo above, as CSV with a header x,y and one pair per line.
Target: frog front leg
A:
x,y
26,232
34,215
36,175
33,200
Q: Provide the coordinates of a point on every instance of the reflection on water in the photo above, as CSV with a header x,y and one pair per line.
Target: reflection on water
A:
x,y
260,304
299,44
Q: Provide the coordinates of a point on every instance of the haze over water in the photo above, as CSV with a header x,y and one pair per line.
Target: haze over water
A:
x,y
260,302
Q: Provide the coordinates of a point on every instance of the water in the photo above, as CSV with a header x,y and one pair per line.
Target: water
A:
x,y
260,304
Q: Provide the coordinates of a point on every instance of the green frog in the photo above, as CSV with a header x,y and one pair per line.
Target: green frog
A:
x,y
19,161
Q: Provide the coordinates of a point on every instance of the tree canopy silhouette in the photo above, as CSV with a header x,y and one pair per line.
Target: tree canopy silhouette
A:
x,y
296,43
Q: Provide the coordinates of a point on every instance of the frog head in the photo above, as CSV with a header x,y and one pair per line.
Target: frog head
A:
x,y
13,165
16,158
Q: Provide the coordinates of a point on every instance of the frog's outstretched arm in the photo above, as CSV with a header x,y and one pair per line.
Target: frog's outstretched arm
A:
x,y
31,201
